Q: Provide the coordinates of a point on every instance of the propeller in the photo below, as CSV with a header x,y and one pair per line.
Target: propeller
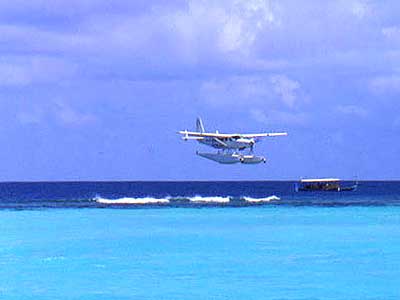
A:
x,y
186,137
252,143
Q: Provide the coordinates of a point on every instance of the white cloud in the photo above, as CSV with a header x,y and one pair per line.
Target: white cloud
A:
x,y
30,39
353,110
59,111
273,117
69,116
14,75
236,91
24,70
165,36
359,8
232,36
30,117
274,90
392,32
245,21
286,88
385,84
270,99
189,38
167,39
220,27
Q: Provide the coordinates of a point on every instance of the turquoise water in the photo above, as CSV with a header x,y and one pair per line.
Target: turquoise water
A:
x,y
264,252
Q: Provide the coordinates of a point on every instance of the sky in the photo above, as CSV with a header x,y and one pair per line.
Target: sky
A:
x,y
96,90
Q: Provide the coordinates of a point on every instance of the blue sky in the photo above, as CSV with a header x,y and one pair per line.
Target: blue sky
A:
x,y
96,90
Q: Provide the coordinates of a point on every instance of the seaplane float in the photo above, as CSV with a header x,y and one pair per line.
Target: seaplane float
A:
x,y
231,148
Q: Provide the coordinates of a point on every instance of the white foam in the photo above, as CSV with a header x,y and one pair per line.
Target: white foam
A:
x,y
215,199
198,199
127,200
267,199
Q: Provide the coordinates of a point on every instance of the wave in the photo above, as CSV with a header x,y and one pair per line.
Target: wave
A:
x,y
127,200
215,199
194,199
151,200
257,200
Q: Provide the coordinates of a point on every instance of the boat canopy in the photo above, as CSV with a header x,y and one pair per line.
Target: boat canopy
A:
x,y
320,180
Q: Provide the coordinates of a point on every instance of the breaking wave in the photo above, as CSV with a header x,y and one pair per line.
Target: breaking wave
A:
x,y
257,200
175,200
127,200
216,199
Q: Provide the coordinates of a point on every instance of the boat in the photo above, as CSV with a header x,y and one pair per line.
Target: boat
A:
x,y
325,184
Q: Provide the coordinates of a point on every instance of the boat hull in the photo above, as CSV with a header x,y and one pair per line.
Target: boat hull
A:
x,y
324,186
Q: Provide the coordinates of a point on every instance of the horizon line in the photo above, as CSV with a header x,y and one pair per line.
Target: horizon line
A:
x,y
177,180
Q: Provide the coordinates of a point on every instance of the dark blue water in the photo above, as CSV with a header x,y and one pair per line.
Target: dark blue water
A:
x,y
188,194
250,240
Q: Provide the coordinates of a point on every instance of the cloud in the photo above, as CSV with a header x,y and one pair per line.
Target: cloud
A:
x,y
26,70
30,117
14,75
137,39
276,90
360,9
243,22
392,32
217,33
236,91
225,26
352,110
273,117
65,114
23,39
281,95
160,40
286,88
59,111
385,84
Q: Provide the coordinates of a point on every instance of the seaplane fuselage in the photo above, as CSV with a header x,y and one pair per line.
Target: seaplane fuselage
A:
x,y
233,143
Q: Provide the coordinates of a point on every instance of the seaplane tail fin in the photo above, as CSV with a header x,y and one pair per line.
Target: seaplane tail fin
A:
x,y
199,125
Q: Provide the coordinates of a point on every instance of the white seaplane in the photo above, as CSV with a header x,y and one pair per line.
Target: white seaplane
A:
x,y
230,146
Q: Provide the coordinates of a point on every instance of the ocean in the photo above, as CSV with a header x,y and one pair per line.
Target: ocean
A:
x,y
198,240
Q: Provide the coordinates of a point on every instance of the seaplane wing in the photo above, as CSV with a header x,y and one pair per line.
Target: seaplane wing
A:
x,y
254,135
229,135
206,134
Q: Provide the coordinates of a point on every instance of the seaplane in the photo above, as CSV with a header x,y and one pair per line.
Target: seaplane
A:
x,y
231,148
